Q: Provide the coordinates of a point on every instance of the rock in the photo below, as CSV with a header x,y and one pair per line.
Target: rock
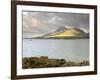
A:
x,y
44,61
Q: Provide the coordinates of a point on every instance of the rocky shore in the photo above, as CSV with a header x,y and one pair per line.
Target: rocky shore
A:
x,y
44,61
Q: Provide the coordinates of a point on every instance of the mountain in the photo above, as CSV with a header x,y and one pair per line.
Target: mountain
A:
x,y
59,30
66,33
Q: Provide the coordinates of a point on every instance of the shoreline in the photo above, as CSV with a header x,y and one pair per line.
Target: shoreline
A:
x,y
46,62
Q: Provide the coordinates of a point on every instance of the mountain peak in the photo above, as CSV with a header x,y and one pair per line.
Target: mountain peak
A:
x,y
61,29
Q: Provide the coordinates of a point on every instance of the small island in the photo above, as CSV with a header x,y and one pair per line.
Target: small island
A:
x,y
45,62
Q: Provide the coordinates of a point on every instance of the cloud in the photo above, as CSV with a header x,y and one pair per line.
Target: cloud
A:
x,y
25,13
39,23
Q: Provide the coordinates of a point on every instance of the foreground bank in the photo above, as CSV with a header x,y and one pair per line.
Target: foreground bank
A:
x,y
44,61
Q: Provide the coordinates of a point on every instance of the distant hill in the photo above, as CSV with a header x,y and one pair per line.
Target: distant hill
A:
x,y
66,33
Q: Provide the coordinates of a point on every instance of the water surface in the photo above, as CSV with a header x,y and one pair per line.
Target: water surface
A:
x,y
70,49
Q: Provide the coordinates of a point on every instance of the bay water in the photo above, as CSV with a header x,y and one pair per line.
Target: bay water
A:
x,y
69,49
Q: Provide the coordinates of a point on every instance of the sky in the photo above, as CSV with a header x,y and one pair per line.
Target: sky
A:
x,y
40,23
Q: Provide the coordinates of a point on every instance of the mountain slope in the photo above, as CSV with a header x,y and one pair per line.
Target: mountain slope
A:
x,y
69,32
66,33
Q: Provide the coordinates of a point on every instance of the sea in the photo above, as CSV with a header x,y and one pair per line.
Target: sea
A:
x,y
69,49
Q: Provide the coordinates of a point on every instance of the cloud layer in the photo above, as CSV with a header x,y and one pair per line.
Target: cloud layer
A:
x,y
40,23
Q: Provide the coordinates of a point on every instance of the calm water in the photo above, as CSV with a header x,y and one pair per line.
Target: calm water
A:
x,y
74,50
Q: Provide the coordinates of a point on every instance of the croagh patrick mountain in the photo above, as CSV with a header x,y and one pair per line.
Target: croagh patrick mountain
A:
x,y
65,33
